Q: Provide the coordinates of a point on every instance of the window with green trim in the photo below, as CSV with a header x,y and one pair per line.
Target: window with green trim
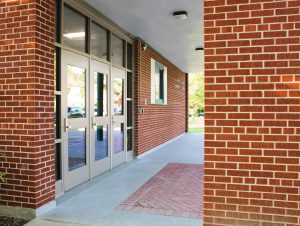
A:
x,y
158,83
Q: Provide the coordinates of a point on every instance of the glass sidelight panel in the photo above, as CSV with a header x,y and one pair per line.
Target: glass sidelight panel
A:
x,y
129,140
129,85
76,148
57,61
101,142
100,94
76,92
129,56
118,96
58,168
57,114
129,113
118,138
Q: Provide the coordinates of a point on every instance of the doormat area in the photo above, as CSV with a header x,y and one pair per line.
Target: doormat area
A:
x,y
176,190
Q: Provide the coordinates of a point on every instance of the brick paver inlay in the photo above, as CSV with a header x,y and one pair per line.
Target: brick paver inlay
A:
x,y
176,190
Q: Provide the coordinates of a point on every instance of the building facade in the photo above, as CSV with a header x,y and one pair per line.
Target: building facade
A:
x,y
79,96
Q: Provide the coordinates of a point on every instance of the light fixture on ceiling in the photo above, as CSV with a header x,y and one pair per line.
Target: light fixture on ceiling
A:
x,y
199,48
180,15
144,46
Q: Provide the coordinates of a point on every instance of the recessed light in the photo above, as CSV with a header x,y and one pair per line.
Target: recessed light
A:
x,y
199,49
180,15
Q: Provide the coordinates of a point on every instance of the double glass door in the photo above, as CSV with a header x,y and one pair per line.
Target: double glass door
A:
x,y
93,113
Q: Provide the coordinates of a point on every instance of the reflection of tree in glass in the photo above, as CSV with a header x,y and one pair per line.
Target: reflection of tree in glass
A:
x,y
118,96
100,94
76,87
118,88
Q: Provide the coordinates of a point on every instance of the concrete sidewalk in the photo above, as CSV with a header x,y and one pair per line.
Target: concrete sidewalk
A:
x,y
95,202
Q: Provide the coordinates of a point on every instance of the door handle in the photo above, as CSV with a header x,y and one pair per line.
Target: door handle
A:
x,y
66,125
94,123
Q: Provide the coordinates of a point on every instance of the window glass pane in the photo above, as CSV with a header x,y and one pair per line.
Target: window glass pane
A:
x,y
129,85
57,69
129,56
118,137
74,34
99,41
76,148
159,83
57,162
129,113
57,20
101,142
118,96
117,50
129,140
76,92
100,94
57,116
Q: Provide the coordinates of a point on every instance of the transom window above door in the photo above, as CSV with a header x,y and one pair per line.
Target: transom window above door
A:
x,y
158,83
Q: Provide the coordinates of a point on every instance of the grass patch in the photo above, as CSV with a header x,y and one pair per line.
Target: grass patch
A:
x,y
196,130
196,124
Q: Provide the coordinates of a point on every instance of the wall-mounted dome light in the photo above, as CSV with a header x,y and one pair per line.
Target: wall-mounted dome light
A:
x,y
180,15
199,48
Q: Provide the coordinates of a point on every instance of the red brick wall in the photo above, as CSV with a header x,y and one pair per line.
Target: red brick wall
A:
x,y
26,102
159,123
252,75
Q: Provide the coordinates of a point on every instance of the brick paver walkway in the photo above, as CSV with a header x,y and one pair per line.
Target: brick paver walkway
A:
x,y
176,190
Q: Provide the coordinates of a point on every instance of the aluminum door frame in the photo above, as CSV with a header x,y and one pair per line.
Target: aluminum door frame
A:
x,y
102,165
121,157
82,174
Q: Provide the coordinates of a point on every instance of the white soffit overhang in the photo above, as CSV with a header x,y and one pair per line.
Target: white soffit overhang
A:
x,y
153,21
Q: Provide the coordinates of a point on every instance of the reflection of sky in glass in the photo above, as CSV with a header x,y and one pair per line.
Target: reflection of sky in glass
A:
x,y
76,87
118,138
76,148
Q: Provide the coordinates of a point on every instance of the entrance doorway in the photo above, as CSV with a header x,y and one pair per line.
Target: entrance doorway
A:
x,y
94,118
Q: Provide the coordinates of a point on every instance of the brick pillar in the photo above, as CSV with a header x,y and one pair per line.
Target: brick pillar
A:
x,y
137,103
26,104
252,75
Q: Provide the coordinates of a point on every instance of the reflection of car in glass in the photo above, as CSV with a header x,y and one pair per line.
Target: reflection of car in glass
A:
x,y
201,113
75,112
118,110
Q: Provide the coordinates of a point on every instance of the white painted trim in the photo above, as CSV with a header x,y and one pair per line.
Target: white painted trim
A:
x,y
158,147
152,81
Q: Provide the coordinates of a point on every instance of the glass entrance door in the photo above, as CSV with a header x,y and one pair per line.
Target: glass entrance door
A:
x,y
93,112
75,99
100,120
118,116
